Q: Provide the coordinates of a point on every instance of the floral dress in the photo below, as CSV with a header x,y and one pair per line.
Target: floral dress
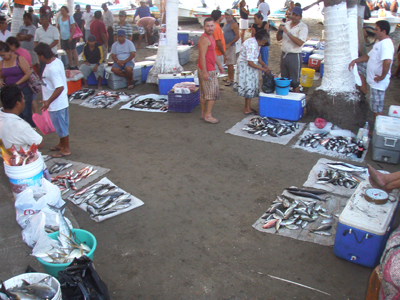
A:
x,y
246,78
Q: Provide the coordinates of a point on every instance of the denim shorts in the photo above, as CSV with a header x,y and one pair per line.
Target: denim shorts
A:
x,y
60,120
127,64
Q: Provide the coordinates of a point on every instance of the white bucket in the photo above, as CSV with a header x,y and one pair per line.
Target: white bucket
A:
x,y
34,278
23,176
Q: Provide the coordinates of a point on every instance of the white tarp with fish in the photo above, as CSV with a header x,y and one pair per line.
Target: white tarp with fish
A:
x,y
237,129
160,100
134,203
107,99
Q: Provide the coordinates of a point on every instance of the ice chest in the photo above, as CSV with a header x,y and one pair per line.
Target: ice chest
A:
x,y
289,107
151,58
394,111
167,81
386,140
305,53
146,67
183,54
195,36
91,80
312,43
183,37
117,82
314,61
363,228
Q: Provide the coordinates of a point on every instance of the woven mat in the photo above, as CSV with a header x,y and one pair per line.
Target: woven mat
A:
x,y
283,140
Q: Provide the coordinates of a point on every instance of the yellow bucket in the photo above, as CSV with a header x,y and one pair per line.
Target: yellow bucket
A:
x,y
307,77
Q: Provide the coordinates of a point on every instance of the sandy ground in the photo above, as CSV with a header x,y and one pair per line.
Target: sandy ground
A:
x,y
202,189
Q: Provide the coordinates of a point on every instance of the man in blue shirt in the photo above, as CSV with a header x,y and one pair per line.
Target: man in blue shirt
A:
x,y
143,11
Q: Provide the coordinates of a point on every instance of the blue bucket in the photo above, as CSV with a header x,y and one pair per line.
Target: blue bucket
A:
x,y
282,86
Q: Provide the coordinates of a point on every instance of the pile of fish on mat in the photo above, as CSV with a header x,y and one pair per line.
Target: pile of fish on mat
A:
x,y
101,199
104,99
294,214
64,249
14,157
269,126
41,290
344,145
67,182
342,174
59,166
81,94
149,103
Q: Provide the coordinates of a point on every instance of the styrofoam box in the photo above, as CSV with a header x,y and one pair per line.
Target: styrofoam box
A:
x,y
305,53
289,107
312,43
167,81
363,228
146,67
183,54
183,36
195,36
394,111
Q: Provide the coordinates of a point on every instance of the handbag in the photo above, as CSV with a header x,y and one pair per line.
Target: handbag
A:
x,y
78,33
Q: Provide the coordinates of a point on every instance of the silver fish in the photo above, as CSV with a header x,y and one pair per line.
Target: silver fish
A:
x,y
326,233
292,227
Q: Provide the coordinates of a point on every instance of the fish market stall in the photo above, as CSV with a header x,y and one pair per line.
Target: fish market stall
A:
x,y
104,200
79,96
149,103
107,99
266,129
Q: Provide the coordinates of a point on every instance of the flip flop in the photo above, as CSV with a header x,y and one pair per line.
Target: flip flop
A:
x,y
55,148
215,121
251,113
229,83
130,86
59,155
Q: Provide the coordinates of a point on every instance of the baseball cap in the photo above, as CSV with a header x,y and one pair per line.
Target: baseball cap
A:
x,y
77,6
104,5
122,13
30,8
91,38
297,10
121,32
229,12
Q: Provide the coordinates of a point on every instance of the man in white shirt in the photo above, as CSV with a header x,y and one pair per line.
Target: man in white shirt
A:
x,y
264,9
55,99
293,37
379,62
108,20
87,18
4,33
13,129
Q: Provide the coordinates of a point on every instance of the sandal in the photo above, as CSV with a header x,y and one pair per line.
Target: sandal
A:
x,y
229,83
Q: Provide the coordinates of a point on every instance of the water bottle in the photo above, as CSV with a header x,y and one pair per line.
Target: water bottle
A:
x,y
174,71
280,32
365,135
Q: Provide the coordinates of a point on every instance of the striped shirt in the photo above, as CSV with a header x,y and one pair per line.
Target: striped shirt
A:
x,y
127,27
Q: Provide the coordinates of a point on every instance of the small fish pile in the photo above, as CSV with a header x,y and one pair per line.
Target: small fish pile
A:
x,y
41,290
294,214
14,157
67,182
101,199
269,126
59,166
149,103
81,94
344,145
65,248
342,174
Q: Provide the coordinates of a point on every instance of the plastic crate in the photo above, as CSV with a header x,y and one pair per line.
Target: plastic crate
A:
x,y
74,86
183,102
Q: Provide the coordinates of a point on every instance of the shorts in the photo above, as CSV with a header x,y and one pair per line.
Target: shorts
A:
x,y
127,64
65,45
221,60
376,98
60,120
209,90
87,70
291,67
231,55
362,69
141,30
244,24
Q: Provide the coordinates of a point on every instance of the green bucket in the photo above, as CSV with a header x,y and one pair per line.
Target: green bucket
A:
x,y
84,237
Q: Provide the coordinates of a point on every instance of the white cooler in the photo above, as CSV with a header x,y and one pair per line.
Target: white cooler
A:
x,y
116,82
194,36
394,111
386,140
183,54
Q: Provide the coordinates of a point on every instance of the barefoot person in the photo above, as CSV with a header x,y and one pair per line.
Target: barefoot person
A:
x,y
55,99
209,89
387,182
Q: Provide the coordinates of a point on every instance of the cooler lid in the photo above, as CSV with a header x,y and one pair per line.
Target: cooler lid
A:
x,y
171,76
194,33
290,96
153,57
311,42
307,49
387,126
367,216
317,56
145,63
184,31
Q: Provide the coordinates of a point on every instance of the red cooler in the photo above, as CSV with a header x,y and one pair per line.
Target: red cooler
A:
x,y
314,61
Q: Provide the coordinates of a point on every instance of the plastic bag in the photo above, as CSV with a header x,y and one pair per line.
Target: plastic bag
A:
x,y
33,199
43,122
34,229
268,85
81,281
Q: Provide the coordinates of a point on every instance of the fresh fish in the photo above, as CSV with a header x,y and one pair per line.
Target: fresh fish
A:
x,y
307,195
40,289
326,233
292,227
327,221
270,224
278,225
65,234
315,192
322,228
325,215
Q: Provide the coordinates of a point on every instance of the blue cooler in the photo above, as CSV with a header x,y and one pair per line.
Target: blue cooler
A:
x,y
183,37
363,228
312,43
79,47
321,70
305,53
289,107
91,80
167,81
146,67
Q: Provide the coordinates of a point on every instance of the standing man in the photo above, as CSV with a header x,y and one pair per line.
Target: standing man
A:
x,y
142,11
209,89
122,53
25,35
35,18
294,35
87,17
4,33
231,35
264,9
145,26
55,99
47,34
218,36
78,17
108,19
379,62
45,9
123,25
99,30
